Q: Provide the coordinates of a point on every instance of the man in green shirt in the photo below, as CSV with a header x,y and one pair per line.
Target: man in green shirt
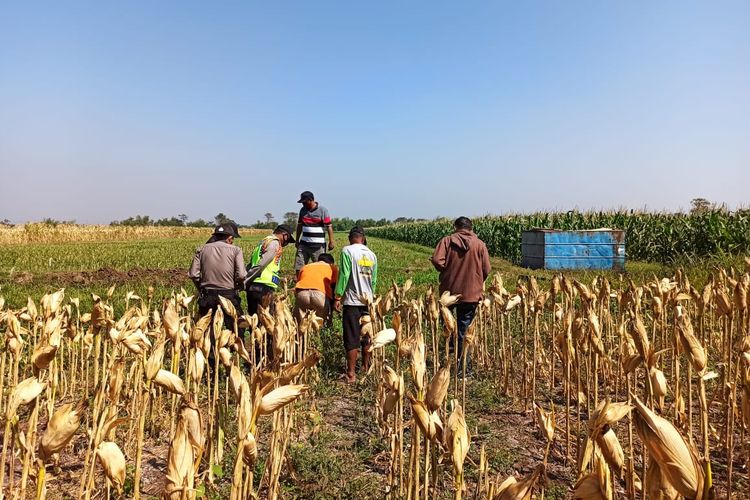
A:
x,y
358,274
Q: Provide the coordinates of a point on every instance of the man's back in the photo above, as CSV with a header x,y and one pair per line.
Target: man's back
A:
x,y
218,265
318,276
463,263
358,273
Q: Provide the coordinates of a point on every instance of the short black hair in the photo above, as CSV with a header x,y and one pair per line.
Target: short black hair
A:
x,y
326,257
462,223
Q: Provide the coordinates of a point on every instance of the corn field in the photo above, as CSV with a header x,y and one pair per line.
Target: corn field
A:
x,y
653,237
641,389
61,233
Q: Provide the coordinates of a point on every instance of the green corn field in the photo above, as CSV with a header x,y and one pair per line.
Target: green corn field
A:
x,y
654,237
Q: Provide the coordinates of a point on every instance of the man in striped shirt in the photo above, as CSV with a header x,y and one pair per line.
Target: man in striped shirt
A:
x,y
314,221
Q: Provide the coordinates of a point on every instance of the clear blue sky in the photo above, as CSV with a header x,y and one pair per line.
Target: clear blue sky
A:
x,y
383,109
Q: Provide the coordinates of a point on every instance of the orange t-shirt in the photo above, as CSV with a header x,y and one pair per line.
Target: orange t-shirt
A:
x,y
318,276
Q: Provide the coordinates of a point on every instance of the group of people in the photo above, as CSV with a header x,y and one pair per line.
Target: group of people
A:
x,y
219,269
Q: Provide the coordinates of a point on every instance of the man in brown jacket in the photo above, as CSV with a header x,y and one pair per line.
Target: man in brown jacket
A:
x,y
464,264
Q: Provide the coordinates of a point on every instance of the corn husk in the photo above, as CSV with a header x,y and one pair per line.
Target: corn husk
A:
x,y
389,403
390,378
169,381
690,343
677,459
180,465
24,393
280,397
596,485
43,356
658,385
512,489
447,299
60,430
512,303
113,462
228,307
457,441
249,450
136,342
51,302
438,388
429,422
611,450
418,363
200,328
154,361
657,484
171,320
546,422
291,372
382,338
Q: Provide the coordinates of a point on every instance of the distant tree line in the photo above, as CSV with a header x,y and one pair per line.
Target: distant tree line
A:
x,y
145,220
270,222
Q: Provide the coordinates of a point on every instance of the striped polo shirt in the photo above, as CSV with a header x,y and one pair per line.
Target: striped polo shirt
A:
x,y
314,223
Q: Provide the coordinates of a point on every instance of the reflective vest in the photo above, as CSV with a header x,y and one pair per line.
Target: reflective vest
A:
x,y
270,275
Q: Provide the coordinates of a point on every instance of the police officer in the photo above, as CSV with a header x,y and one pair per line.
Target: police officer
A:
x,y
218,268
263,271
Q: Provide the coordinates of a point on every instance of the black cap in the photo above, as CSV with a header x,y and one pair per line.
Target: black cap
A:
x,y
230,228
356,231
284,228
305,196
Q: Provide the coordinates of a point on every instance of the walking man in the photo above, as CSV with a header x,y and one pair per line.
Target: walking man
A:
x,y
358,275
263,270
218,269
314,289
314,221
464,264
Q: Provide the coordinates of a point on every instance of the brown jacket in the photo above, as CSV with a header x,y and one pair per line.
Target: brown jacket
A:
x,y
463,263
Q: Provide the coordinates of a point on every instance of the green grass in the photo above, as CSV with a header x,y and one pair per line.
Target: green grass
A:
x,y
34,269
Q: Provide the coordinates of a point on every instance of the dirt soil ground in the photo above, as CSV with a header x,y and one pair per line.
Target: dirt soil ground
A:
x,y
107,276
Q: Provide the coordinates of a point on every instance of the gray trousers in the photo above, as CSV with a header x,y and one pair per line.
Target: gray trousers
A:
x,y
305,254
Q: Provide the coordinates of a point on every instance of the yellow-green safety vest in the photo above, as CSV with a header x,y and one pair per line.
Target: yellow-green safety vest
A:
x,y
270,274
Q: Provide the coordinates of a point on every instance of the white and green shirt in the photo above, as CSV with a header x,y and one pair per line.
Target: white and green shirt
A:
x,y
358,274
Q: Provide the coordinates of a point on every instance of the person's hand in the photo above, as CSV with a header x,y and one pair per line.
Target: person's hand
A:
x,y
337,305
331,245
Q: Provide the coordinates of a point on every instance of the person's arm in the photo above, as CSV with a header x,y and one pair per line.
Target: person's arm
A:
x,y
485,262
194,273
240,273
299,229
331,243
334,279
440,255
345,271
374,272
329,228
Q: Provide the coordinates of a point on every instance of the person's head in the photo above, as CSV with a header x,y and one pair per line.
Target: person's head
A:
x,y
284,233
357,235
307,199
326,257
225,232
462,223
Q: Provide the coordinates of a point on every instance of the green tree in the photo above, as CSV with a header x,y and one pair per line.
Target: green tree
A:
x,y
700,206
290,218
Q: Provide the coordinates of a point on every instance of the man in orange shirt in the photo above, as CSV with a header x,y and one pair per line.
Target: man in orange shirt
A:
x,y
314,289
